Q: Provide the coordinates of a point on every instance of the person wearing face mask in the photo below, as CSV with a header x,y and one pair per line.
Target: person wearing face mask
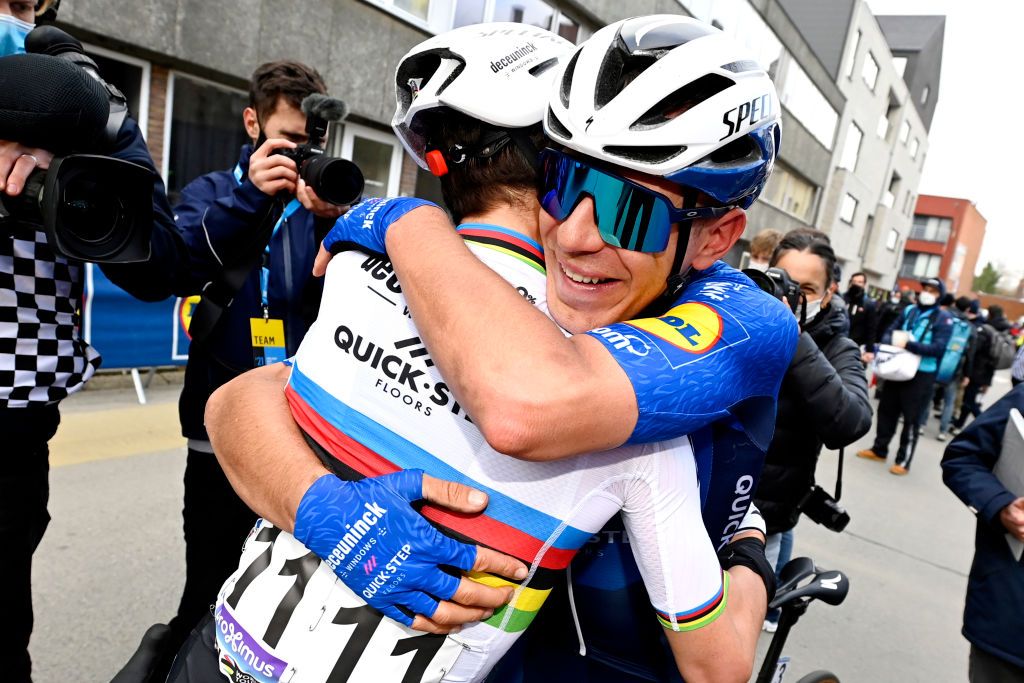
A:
x,y
924,329
824,395
43,357
863,311
761,248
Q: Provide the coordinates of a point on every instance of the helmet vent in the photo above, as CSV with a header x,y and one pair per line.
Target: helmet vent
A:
x,y
557,127
647,155
620,68
563,92
678,102
742,66
544,66
742,150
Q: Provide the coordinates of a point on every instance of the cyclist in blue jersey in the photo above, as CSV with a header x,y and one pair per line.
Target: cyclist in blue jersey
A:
x,y
709,321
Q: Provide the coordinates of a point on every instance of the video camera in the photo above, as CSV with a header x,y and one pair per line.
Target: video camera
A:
x,y
338,181
92,207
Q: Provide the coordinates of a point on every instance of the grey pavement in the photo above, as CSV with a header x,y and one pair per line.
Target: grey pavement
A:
x,y
112,560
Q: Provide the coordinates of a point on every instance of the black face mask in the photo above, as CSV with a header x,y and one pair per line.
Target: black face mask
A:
x,y
260,139
854,293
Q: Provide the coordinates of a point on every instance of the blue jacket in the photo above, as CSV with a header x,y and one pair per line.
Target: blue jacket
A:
x,y
932,326
993,616
217,215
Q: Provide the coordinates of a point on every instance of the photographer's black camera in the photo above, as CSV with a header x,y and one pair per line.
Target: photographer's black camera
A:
x,y
338,181
825,510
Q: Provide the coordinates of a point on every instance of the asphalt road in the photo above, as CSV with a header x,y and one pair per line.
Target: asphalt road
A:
x,y
111,563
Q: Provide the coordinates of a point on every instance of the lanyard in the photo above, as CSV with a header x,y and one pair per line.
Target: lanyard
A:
x,y
292,206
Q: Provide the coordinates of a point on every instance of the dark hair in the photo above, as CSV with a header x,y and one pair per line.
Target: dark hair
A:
x,y
963,304
480,183
946,299
860,274
995,312
291,80
810,240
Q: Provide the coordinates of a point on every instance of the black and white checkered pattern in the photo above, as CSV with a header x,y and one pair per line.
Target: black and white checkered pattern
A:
x,y
42,355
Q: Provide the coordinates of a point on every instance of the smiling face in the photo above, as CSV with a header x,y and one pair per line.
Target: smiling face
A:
x,y
591,283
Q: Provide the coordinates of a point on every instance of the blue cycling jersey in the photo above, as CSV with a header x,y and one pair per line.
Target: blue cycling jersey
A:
x,y
710,366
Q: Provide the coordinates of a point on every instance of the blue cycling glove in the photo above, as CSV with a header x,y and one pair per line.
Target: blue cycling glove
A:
x,y
379,547
366,223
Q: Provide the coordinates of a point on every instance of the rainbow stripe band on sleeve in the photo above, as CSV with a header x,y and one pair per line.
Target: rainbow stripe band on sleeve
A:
x,y
700,616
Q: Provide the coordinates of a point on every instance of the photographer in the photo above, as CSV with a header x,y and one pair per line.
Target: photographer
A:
x,y
220,216
43,357
823,399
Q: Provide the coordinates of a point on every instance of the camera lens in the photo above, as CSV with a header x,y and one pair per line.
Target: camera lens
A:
x,y
91,215
337,181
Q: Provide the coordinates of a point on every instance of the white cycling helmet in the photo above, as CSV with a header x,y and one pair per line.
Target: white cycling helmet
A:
x,y
674,97
499,73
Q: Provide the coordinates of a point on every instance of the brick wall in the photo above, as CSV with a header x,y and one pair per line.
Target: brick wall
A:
x,y
159,75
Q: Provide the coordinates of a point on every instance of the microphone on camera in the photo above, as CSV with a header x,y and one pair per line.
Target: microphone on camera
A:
x,y
50,103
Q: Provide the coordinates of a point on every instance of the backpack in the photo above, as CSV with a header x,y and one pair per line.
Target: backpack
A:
x,y
950,361
1000,348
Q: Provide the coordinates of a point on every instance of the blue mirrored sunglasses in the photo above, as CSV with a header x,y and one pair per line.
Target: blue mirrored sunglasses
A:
x,y
628,215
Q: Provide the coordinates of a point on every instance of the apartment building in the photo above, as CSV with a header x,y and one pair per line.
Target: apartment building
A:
x,y
945,240
882,139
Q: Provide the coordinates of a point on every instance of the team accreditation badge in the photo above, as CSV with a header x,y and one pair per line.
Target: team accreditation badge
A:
x,y
267,341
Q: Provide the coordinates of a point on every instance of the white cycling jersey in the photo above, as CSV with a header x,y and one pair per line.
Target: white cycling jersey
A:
x,y
364,388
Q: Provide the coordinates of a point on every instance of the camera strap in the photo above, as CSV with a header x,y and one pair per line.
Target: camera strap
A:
x,y
218,293
839,477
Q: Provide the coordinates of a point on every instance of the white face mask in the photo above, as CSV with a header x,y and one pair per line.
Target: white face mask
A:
x,y
758,265
926,299
813,308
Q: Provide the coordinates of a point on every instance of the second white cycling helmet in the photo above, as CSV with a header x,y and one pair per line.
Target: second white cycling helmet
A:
x,y
674,97
499,73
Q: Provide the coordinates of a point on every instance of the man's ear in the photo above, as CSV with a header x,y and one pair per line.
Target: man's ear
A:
x,y
714,240
251,122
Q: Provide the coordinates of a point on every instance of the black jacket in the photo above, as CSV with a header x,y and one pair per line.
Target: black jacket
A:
x,y
993,618
823,400
863,318
983,368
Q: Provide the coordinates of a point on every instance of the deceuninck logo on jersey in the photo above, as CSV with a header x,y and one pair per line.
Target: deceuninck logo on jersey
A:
x,y
692,327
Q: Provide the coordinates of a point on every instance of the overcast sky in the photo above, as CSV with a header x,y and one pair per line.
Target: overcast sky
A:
x,y
977,136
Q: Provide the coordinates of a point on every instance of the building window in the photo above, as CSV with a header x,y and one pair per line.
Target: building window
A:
x,y
743,23
854,44
533,12
130,75
931,228
851,148
918,265
205,130
914,147
904,131
900,64
848,209
805,101
788,191
377,154
883,126
870,71
892,240
924,95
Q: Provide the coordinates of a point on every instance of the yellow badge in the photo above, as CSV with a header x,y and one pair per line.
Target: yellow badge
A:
x,y
692,327
266,332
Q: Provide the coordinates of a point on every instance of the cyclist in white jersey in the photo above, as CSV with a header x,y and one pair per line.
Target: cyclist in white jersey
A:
x,y
733,288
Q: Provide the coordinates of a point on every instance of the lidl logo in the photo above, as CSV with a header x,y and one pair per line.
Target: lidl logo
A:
x,y
188,307
692,327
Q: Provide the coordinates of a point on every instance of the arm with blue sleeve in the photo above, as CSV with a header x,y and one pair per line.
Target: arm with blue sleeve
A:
x,y
969,459
941,328
216,215
160,276
524,382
